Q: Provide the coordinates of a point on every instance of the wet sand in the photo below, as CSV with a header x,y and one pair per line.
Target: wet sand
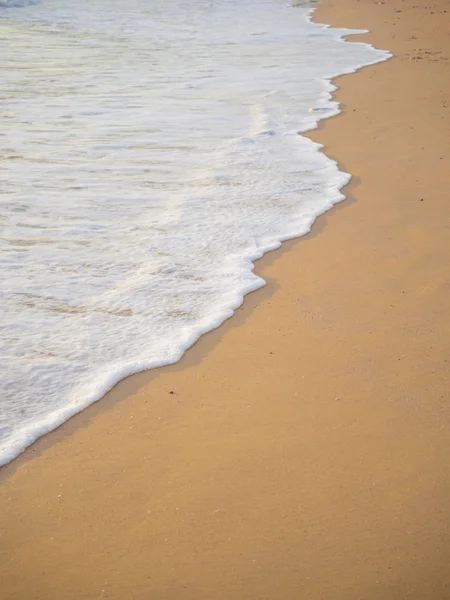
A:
x,y
303,449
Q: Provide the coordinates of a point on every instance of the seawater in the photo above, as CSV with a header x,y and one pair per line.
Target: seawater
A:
x,y
150,151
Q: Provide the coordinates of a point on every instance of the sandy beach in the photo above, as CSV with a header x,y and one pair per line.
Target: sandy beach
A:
x,y
302,450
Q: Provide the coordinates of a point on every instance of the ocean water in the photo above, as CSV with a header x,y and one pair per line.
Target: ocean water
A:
x,y
150,151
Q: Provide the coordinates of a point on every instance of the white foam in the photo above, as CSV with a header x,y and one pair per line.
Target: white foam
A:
x,y
149,153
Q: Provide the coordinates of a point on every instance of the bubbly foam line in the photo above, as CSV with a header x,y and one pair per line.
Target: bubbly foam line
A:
x,y
104,379
105,383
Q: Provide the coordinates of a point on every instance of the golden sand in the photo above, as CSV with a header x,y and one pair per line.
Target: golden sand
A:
x,y
302,451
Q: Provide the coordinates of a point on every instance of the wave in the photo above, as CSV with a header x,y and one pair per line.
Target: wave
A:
x,y
139,198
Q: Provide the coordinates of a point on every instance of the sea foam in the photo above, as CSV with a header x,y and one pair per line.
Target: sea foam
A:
x,y
149,154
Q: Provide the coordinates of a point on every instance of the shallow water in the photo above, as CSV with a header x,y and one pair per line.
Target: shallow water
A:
x,y
149,152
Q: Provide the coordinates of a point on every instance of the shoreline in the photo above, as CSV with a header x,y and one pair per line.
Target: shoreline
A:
x,y
131,384
49,424
262,477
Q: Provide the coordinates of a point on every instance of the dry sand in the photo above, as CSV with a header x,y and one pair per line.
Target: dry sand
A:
x,y
305,450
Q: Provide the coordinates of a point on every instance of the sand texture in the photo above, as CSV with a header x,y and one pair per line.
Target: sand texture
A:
x,y
301,451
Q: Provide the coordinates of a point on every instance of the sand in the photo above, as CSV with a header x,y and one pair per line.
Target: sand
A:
x,y
301,451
